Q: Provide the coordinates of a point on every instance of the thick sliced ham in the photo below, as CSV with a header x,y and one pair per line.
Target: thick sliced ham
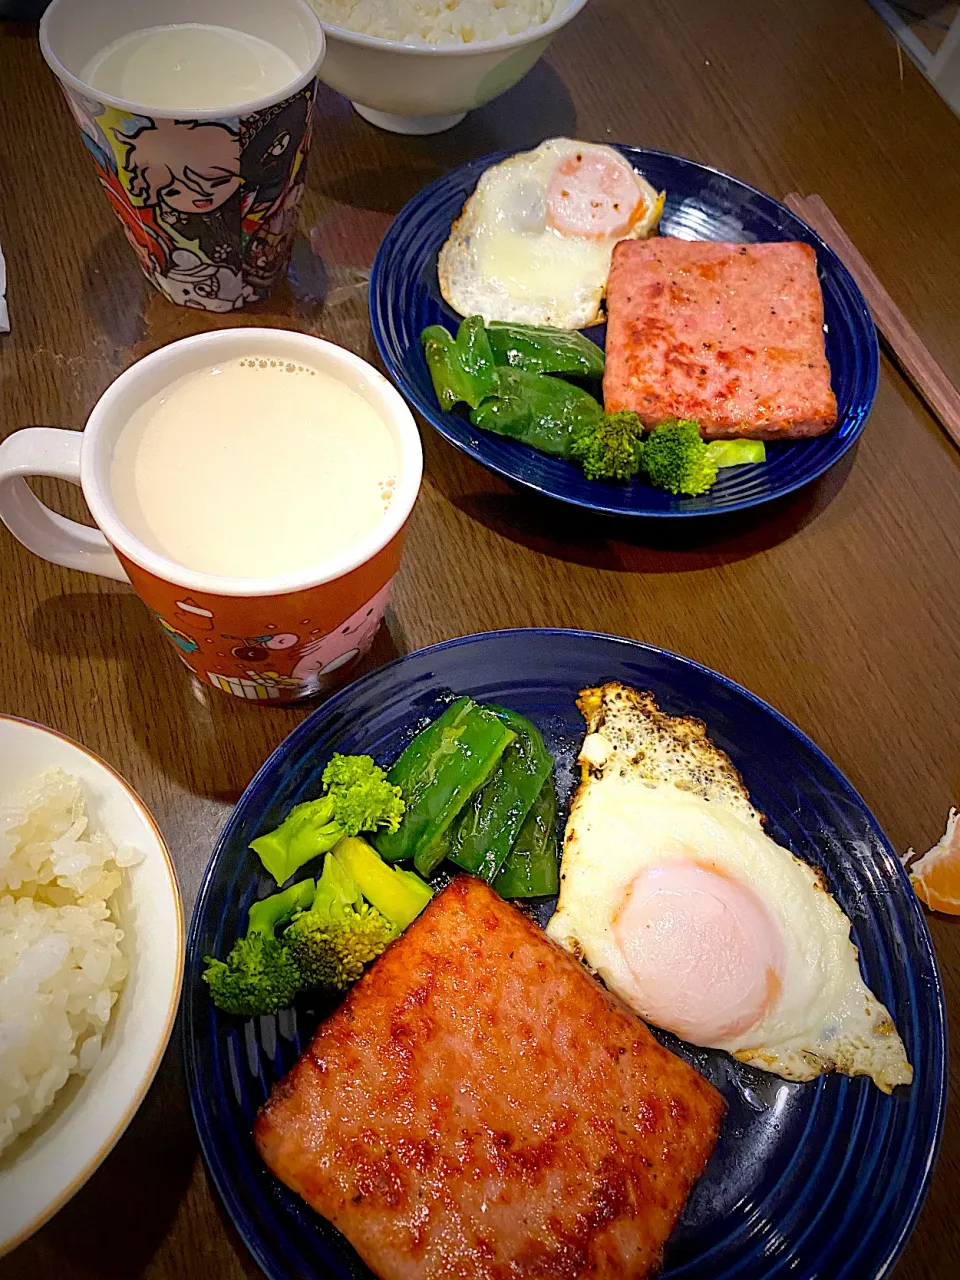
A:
x,y
728,334
480,1107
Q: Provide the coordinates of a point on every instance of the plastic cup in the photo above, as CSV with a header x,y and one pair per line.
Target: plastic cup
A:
x,y
208,198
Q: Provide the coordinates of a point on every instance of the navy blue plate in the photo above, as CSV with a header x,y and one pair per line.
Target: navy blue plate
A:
x,y
809,1180
702,204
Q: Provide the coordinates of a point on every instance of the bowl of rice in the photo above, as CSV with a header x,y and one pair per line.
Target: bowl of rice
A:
x,y
91,963
418,66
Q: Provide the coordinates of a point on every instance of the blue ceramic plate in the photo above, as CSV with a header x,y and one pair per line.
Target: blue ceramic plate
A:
x,y
702,204
823,1179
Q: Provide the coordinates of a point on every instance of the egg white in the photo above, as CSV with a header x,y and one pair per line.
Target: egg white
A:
x,y
503,262
824,1017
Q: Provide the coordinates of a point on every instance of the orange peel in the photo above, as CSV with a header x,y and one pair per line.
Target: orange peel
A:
x,y
935,876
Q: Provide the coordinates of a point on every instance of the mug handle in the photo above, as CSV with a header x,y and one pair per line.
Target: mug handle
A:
x,y
49,451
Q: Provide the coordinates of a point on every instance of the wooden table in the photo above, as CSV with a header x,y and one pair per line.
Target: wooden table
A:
x,y
841,605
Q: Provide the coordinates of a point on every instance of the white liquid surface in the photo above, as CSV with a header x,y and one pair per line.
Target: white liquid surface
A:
x,y
252,468
190,67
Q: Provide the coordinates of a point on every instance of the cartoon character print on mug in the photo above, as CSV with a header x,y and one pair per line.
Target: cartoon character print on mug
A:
x,y
345,644
275,143
274,648
208,206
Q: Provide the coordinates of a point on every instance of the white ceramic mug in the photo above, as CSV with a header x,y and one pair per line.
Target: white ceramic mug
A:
x,y
305,628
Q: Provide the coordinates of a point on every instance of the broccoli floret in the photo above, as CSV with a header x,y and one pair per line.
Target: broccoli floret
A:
x,y
365,799
398,895
347,771
611,448
260,975
358,798
340,933
676,459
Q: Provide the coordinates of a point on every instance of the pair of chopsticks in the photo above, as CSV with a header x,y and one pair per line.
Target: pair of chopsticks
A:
x,y
901,340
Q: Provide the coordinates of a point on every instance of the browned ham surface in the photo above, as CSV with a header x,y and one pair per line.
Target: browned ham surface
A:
x,y
479,1107
728,334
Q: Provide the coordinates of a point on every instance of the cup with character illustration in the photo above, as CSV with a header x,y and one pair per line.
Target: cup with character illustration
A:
x,y
198,115
263,636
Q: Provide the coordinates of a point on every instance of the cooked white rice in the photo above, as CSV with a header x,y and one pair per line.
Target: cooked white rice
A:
x,y
61,966
437,21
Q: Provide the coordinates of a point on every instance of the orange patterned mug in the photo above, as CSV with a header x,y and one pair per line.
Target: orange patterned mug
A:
x,y
263,639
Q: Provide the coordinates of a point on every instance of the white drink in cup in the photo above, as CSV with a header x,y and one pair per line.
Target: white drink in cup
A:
x,y
285,465
190,67
198,117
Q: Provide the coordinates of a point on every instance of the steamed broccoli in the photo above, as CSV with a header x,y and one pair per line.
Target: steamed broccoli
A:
x,y
735,453
610,448
358,798
397,894
339,934
260,975
676,459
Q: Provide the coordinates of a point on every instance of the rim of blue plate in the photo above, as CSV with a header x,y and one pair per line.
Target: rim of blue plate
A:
x,y
843,437
200,1109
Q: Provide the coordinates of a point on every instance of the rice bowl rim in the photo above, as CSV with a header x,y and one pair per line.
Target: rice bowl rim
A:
x,y
495,45
138,1095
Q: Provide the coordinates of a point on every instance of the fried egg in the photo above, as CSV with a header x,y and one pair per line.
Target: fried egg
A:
x,y
674,895
534,242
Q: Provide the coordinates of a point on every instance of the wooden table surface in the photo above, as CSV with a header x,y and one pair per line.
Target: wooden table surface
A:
x,y
840,605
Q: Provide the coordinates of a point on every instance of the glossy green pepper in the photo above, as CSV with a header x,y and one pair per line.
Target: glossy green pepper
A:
x,y
438,773
491,822
530,870
539,349
462,368
537,410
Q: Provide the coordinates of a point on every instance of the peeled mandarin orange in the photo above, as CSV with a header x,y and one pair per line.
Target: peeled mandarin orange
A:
x,y
936,876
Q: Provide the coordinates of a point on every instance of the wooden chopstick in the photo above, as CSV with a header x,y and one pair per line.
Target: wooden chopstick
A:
x,y
902,341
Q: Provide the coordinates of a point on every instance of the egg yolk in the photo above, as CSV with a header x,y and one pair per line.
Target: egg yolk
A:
x,y
704,954
592,197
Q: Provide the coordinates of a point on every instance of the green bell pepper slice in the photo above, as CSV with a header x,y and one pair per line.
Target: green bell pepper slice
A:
x,y
438,773
531,870
462,368
539,349
537,410
491,822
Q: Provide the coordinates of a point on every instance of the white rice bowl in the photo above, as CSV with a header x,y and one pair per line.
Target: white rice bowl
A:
x,y
91,962
418,66
436,21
